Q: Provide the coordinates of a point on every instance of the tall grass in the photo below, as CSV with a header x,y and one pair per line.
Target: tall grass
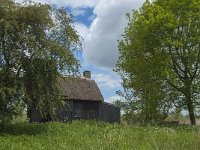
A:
x,y
92,135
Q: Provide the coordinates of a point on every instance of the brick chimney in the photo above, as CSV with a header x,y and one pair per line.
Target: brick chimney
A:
x,y
87,74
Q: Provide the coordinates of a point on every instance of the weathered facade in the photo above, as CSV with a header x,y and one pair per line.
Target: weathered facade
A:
x,y
83,101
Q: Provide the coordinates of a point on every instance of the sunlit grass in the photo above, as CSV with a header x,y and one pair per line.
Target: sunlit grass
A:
x,y
98,136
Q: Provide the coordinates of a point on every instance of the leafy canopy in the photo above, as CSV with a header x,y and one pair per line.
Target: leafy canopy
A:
x,y
36,46
159,55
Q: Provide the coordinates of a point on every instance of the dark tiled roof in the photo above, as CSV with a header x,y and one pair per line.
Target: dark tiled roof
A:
x,y
80,89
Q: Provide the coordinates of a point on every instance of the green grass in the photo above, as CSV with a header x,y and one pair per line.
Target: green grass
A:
x,y
92,135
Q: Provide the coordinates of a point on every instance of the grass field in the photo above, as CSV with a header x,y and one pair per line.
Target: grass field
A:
x,y
80,135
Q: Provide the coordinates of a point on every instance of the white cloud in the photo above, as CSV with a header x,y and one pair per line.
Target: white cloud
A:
x,y
82,29
106,81
101,42
91,18
69,3
78,12
112,98
109,21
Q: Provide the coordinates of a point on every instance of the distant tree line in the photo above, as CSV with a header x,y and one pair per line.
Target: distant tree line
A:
x,y
36,47
159,60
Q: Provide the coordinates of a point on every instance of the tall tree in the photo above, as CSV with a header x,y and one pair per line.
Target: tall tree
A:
x,y
36,47
161,49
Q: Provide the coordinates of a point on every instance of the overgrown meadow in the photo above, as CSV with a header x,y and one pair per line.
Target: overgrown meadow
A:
x,y
92,135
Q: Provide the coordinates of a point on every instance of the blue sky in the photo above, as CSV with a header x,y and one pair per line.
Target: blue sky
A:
x,y
100,23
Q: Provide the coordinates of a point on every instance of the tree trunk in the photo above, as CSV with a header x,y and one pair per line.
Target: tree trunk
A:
x,y
190,108
191,114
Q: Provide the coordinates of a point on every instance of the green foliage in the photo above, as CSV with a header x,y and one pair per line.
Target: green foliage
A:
x,y
97,135
160,55
36,47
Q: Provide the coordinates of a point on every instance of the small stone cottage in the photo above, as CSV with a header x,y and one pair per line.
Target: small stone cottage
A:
x,y
84,101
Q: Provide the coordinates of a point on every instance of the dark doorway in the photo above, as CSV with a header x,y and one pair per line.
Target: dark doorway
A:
x,y
85,110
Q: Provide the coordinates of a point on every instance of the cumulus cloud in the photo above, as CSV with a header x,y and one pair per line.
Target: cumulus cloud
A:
x,y
68,3
106,29
82,29
112,98
108,23
109,83
91,18
106,81
78,12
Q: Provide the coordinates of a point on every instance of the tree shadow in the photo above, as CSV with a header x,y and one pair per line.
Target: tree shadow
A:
x,y
24,129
